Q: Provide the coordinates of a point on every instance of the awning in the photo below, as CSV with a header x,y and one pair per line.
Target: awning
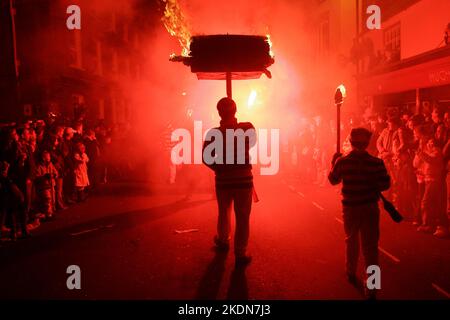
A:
x,y
424,71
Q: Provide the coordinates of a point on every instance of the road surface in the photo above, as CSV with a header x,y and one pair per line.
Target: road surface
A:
x,y
125,242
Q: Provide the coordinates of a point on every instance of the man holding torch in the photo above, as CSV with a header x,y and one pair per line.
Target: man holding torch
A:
x,y
234,181
363,179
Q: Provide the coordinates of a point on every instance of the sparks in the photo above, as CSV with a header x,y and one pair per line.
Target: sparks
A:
x,y
251,99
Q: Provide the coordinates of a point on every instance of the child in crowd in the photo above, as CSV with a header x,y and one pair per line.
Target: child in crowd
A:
x,y
80,170
46,174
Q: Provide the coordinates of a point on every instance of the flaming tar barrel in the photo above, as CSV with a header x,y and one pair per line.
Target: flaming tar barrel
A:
x,y
244,56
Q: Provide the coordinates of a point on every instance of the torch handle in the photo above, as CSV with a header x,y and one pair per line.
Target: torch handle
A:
x,y
229,91
338,127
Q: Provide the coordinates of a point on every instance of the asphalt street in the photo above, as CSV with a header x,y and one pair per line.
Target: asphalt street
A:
x,y
141,241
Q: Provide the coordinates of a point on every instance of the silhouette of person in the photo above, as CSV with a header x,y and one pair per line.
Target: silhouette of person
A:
x,y
363,177
233,179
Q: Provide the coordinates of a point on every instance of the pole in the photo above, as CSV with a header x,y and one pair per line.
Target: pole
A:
x,y
12,12
357,34
229,92
17,94
338,127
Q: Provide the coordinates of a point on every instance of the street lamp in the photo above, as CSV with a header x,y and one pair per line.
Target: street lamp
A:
x,y
339,96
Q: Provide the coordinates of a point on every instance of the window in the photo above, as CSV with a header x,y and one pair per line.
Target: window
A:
x,y
75,50
392,43
324,36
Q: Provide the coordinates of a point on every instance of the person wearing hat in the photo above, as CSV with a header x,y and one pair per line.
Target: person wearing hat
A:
x,y
234,182
363,178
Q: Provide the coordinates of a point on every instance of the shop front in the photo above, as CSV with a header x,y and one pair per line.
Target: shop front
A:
x,y
414,84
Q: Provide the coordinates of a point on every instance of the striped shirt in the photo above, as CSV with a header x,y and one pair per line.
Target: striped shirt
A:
x,y
363,177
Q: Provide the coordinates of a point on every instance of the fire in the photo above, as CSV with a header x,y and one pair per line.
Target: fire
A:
x,y
175,23
269,41
343,90
251,99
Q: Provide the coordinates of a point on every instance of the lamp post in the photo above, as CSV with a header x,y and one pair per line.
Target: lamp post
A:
x,y
339,96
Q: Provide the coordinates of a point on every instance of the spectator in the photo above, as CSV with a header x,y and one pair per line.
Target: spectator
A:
x,y
375,128
78,132
388,138
12,202
57,159
68,178
429,159
46,174
420,138
40,133
80,171
438,126
22,172
403,166
446,153
93,153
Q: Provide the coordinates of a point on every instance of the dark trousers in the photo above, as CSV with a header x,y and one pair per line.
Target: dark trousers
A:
x,y
361,226
434,203
420,193
16,214
59,194
242,200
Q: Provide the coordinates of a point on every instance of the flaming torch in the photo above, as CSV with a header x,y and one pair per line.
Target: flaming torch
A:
x,y
218,57
228,57
339,96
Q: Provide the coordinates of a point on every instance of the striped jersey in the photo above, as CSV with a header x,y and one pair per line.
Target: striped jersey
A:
x,y
363,177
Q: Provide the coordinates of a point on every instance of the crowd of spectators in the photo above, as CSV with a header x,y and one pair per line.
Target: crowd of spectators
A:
x,y
48,165
414,147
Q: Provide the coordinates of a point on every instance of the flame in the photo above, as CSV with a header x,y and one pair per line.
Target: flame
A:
x,y
251,99
269,41
175,23
343,90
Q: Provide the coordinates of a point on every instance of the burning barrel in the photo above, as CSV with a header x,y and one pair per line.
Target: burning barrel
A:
x,y
227,57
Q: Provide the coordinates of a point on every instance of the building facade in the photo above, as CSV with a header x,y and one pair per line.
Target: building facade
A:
x,y
406,64
50,68
333,30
